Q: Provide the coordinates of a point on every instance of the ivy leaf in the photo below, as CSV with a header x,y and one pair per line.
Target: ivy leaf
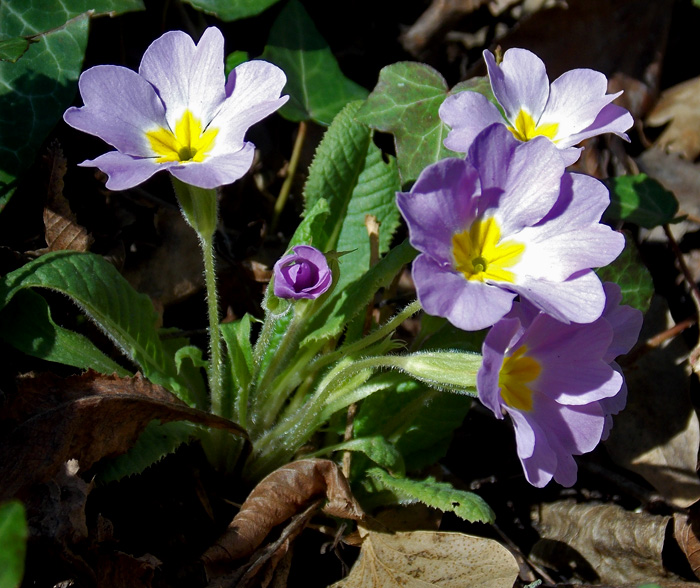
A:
x,y
640,200
405,102
228,10
36,89
317,88
440,495
13,543
12,49
633,277
125,315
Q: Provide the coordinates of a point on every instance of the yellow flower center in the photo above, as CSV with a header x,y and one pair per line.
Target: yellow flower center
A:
x,y
516,373
188,143
479,254
525,128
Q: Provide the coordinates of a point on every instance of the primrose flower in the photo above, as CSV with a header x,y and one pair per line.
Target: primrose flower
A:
x,y
178,113
302,274
573,108
507,221
557,382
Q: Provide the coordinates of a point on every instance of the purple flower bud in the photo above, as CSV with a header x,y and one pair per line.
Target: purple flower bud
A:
x,y
302,274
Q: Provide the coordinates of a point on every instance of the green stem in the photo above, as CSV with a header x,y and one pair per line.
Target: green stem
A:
x,y
291,171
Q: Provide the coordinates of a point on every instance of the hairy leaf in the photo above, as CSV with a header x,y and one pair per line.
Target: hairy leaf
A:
x,y
317,88
26,323
126,316
13,543
376,448
441,495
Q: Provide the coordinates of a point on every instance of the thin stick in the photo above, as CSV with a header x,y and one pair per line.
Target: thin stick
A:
x,y
291,171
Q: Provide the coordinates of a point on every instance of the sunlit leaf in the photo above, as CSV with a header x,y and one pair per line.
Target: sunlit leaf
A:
x,y
405,102
640,200
13,543
317,88
441,495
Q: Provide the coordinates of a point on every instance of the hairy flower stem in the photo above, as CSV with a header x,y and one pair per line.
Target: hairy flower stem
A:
x,y
199,207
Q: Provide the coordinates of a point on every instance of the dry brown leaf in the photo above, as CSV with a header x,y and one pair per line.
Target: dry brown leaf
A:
x,y
84,417
658,434
117,570
277,497
678,106
419,559
62,230
686,528
601,542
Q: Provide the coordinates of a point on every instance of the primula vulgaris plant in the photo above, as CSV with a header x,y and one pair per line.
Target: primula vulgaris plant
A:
x,y
504,238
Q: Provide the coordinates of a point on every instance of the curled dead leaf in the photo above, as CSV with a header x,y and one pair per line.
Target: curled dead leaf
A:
x,y
276,498
419,559
686,530
85,417
601,542
62,230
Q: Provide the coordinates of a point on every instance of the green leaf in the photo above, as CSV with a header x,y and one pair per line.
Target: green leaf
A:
x,y
640,200
376,448
375,194
233,60
229,10
311,225
317,88
629,272
155,442
334,172
240,351
440,495
26,324
37,89
342,308
419,421
405,102
13,543
12,49
125,315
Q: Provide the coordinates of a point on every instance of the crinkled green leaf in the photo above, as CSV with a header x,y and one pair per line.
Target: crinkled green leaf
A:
x,y
155,442
36,89
317,88
229,10
640,200
440,495
351,300
418,420
13,543
405,102
376,448
125,315
26,324
629,272
334,172
375,194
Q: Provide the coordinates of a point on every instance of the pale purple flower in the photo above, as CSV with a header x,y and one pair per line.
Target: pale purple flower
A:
x,y
573,108
178,113
557,382
507,221
302,274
